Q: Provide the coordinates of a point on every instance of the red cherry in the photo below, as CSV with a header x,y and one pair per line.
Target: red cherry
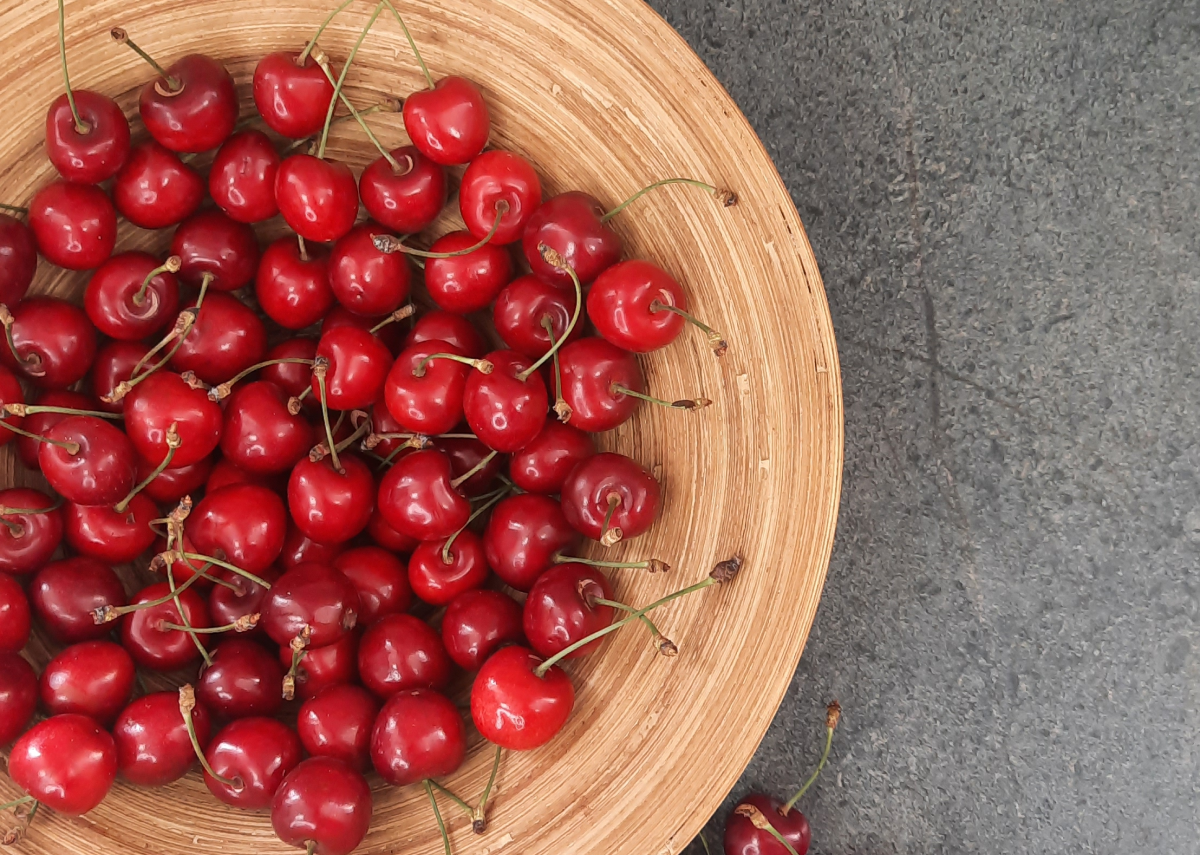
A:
x,y
292,377
164,399
259,434
609,498
402,652
449,327
90,153
437,581
405,202
337,723
543,465
505,409
155,189
244,523
12,393
171,485
513,706
593,371
213,243
419,735
386,536
391,334
322,806
448,123
238,598
622,304
119,307
417,498
98,465
465,455
292,285
425,395
298,548
64,594
92,678
253,756
324,667
228,338
242,178
18,696
115,362
743,838
523,536
358,367
103,532
466,283
55,341
312,597
318,198
18,259
225,473
27,540
75,225
494,177
561,609
16,620
570,224
67,762
365,280
380,579
477,624
524,306
153,748
243,680
194,108
151,643
291,96
330,506
38,423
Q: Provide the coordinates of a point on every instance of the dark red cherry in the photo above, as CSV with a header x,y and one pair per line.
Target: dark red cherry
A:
x,y
465,455
516,708
743,838
39,423
592,370
624,302
523,535
438,581
571,225
383,534
291,96
228,338
155,189
312,597
115,362
242,178
239,597
337,723
447,326
64,594
477,624
91,152
608,495
148,634
171,485
27,540
153,748
380,579
111,535
292,377
18,696
92,678
16,619
259,434
402,652
358,366
299,548
97,468
253,756
561,609
318,198
466,283
449,123
419,735
212,242
323,806
424,395
417,498
164,399
242,523
117,304
494,177
330,506
243,680
324,667
292,284
55,341
67,762
405,202
74,225
504,409
365,280
194,109
522,309
225,473
543,465
18,259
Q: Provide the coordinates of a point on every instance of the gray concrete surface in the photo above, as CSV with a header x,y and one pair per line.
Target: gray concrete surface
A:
x,y
1003,197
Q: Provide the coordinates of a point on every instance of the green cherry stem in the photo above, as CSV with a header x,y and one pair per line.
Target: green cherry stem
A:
x,y
479,815
411,43
217,562
466,476
337,88
14,209
715,340
320,368
81,126
561,408
726,197
551,257
400,314
683,404
833,714
70,447
323,62
107,614
450,795
30,409
437,814
651,564
303,57
223,390
173,442
24,800
121,37
447,555
388,244
187,624
30,362
187,703
171,265
480,365
665,645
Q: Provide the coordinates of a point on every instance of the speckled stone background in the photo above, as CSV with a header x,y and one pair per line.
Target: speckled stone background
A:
x,y
1003,198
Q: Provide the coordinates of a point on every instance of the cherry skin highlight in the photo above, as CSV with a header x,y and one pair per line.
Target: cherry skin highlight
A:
x,y
29,540
155,189
419,735
477,624
402,652
153,748
74,225
515,708
323,806
449,124
65,593
337,723
67,762
292,97
256,753
406,202
92,678
95,153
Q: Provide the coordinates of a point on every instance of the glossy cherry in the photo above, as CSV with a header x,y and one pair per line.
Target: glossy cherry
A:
x,y
330,506
425,395
243,680
609,497
18,259
253,756
318,198
311,598
74,225
449,327
211,242
299,548
16,619
228,338
171,485
506,409
593,372
337,723
55,342
225,472
244,524
97,467
477,624
323,806
164,399
151,642
468,455
27,540
448,123
38,423
365,280
514,707
408,201
523,535
18,696
380,579
115,362
570,224
522,309
438,581
118,305
153,748
402,652
543,465
92,678
90,152
358,366
384,535
743,838
419,735
561,609
111,535
292,95
466,283
65,593
494,177
292,284
155,189
193,108
242,178
416,497
67,762
259,434
237,598
324,667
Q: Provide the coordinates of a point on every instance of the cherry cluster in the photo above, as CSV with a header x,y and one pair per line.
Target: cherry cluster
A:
x,y
334,504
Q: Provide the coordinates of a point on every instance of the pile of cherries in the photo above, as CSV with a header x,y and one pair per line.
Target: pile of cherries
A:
x,y
331,504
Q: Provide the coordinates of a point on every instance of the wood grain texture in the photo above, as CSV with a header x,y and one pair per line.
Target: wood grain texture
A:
x,y
603,96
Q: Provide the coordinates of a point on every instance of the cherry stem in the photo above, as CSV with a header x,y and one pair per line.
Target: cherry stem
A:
x,y
715,340
223,390
187,703
303,248
310,847
18,530
416,441
359,432
831,719
171,265
553,258
7,320
16,209
31,409
639,194
411,43
454,798
107,614
438,816
683,404
24,800
119,35
664,643
81,126
173,442
704,843
337,87
241,625
184,324
479,815
319,369
480,365
183,616
337,120
610,536
447,556
72,448
398,315
323,62
388,244
651,564
300,60
478,467
561,408
217,562
298,644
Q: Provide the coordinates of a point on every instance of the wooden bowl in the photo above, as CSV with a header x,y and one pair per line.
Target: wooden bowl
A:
x,y
603,96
